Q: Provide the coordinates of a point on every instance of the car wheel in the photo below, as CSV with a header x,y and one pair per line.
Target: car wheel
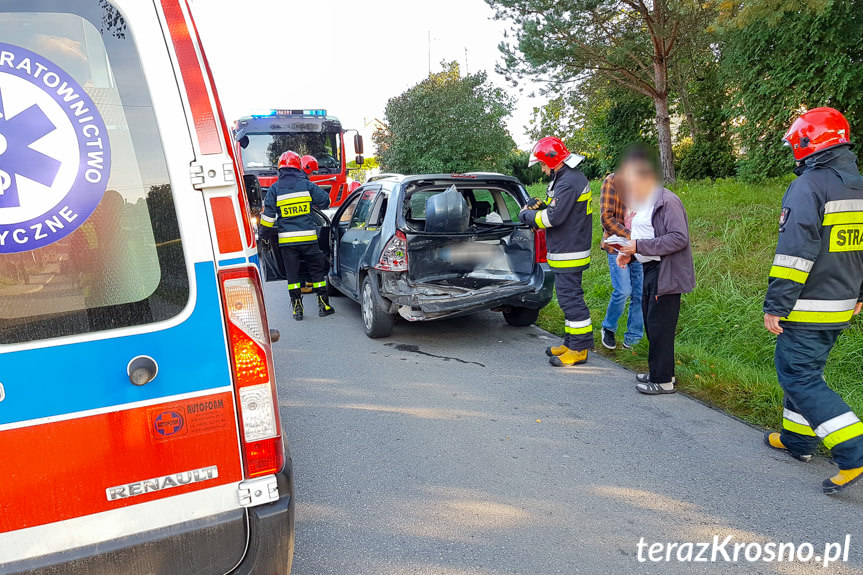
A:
x,y
521,316
376,321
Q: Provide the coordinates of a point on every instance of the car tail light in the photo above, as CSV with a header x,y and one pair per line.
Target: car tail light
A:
x,y
252,367
394,257
539,246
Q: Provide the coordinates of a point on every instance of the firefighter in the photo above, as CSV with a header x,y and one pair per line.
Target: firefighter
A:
x,y
814,290
287,217
310,165
566,217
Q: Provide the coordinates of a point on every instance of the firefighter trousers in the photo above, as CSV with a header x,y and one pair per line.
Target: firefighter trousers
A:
x,y
813,412
570,297
316,264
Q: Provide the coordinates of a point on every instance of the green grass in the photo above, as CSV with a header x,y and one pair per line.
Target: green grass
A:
x,y
724,354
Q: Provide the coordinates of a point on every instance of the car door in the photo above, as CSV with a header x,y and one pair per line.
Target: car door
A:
x,y
355,237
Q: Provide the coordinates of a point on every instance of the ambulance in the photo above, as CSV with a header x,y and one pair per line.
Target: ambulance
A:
x,y
139,419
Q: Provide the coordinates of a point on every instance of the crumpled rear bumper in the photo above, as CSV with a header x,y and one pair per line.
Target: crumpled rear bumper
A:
x,y
422,302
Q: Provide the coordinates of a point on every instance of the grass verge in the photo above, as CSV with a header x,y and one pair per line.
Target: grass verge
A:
x,y
724,354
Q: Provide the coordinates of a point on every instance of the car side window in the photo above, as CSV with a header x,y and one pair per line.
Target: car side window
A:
x,y
364,208
348,212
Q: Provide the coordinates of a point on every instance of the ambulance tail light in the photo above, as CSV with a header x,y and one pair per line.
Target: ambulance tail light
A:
x,y
540,248
394,257
252,367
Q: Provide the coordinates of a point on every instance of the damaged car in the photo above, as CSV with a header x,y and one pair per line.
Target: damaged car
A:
x,y
428,247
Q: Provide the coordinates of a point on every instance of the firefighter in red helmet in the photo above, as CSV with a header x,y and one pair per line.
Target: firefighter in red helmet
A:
x,y
815,289
287,217
310,164
566,217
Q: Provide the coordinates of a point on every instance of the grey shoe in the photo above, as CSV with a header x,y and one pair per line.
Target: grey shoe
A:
x,y
651,388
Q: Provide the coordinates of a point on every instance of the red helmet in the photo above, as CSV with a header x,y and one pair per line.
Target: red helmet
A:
x,y
310,164
550,151
290,160
817,130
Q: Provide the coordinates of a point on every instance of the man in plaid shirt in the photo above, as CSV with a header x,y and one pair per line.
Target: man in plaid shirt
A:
x,y
626,283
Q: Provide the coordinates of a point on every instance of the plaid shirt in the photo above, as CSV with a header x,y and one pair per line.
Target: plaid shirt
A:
x,y
612,212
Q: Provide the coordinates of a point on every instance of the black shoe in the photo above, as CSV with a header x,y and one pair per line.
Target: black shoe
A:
x,y
627,345
608,340
642,377
325,310
298,309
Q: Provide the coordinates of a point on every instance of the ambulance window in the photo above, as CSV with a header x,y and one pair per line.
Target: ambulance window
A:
x,y
89,238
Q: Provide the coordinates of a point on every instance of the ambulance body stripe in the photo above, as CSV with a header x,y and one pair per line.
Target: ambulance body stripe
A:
x,y
115,524
114,408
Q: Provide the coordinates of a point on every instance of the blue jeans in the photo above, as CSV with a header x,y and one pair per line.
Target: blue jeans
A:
x,y
627,284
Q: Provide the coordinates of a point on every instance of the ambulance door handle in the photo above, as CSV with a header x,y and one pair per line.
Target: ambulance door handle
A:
x,y
142,370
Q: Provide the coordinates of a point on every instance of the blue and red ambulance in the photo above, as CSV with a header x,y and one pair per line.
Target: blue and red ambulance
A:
x,y
139,420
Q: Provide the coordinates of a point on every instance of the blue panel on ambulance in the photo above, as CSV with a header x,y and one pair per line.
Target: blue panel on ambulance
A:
x,y
65,379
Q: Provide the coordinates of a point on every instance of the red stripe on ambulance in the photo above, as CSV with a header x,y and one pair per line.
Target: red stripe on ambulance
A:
x,y
80,461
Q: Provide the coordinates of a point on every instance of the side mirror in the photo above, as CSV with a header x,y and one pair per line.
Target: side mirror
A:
x,y
358,145
360,160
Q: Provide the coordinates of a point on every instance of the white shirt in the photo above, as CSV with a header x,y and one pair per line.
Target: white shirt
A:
x,y
642,225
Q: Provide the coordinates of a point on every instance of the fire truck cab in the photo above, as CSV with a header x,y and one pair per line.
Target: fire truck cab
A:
x,y
261,138
139,417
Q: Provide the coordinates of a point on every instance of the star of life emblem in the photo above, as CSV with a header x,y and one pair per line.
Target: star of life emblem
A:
x,y
55,156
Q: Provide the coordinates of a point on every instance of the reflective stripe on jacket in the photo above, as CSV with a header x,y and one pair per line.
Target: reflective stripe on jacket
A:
x,y
816,277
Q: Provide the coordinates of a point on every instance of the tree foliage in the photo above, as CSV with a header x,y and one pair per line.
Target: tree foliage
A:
x,y
446,123
629,42
783,59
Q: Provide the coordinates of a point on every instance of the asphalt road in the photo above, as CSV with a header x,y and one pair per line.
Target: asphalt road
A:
x,y
453,448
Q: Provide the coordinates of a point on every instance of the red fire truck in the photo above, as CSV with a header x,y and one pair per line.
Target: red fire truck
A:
x,y
261,138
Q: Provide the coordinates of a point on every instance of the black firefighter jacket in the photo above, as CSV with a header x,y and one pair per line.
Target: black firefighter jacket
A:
x,y
288,208
568,220
817,274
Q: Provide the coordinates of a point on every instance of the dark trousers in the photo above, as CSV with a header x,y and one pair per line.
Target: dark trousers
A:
x,y
814,412
660,324
316,264
570,297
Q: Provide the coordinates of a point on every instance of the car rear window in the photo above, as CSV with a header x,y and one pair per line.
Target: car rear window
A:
x,y
487,205
89,238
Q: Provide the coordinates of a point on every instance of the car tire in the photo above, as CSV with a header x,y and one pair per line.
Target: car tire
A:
x,y
376,322
521,316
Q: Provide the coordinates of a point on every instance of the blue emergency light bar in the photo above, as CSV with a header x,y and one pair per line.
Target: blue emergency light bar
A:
x,y
318,113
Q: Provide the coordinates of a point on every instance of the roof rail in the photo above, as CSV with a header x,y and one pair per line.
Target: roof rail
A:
x,y
378,177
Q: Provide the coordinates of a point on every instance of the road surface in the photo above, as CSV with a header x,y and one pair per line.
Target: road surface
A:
x,y
453,448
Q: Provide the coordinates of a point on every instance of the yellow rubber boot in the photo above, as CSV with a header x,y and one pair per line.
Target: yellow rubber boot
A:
x,y
569,358
845,478
774,440
553,351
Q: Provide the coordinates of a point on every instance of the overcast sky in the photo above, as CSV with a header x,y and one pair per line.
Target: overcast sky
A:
x,y
346,57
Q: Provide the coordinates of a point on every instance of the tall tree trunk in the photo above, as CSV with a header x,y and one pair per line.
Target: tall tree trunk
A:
x,y
663,133
663,120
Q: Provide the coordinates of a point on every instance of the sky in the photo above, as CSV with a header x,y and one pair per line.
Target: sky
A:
x,y
346,57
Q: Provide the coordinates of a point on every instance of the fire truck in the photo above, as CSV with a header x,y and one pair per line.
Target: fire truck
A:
x,y
261,138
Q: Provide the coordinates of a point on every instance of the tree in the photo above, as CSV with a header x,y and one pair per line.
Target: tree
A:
x,y
629,42
446,123
783,58
599,119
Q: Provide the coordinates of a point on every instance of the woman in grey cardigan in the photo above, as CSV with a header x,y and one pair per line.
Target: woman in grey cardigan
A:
x,y
660,241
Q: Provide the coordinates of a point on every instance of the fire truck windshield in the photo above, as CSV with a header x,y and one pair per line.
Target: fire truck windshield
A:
x,y
263,151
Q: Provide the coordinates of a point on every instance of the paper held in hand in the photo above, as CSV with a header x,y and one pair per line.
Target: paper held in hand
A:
x,y
616,242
